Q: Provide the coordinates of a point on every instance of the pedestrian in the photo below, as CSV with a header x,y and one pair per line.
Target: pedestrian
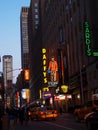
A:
x,y
1,115
60,110
21,116
11,115
26,115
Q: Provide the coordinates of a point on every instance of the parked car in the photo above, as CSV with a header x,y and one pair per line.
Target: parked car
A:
x,y
43,113
91,120
84,109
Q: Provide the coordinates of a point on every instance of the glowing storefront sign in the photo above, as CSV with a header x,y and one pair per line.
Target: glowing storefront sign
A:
x,y
64,88
45,89
46,95
95,53
26,94
63,97
44,58
23,93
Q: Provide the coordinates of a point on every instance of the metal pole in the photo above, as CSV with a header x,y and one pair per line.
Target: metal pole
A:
x,y
81,79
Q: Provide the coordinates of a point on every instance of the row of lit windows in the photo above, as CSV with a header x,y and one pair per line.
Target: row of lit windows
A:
x,y
36,15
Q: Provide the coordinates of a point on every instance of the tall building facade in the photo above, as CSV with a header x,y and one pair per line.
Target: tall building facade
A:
x,y
80,40
24,37
1,88
8,77
35,42
35,14
24,47
30,20
7,69
68,31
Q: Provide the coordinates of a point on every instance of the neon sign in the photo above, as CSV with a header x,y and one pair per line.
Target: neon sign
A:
x,y
44,58
87,38
89,49
47,94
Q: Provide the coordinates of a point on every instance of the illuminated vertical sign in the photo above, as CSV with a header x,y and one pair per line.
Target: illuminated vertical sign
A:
x,y
28,95
25,93
17,99
26,74
87,32
87,39
44,59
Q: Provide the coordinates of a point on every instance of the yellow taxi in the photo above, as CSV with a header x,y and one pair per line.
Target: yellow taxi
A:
x,y
43,113
81,111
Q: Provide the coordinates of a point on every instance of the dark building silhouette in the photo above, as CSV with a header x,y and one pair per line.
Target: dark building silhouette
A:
x,y
64,28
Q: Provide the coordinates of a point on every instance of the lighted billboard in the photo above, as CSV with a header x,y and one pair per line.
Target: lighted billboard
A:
x,y
53,68
25,93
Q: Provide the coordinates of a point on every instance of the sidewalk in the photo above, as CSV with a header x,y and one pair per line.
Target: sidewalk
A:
x,y
19,126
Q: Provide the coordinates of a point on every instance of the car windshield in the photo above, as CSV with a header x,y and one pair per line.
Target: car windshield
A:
x,y
43,109
96,102
89,103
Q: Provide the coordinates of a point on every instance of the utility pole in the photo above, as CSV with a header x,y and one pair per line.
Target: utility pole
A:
x,y
81,78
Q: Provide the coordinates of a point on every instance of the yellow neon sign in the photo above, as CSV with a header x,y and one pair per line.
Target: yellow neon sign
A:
x,y
44,68
45,89
44,58
43,50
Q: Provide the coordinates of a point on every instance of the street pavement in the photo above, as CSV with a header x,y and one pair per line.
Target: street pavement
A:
x,y
36,125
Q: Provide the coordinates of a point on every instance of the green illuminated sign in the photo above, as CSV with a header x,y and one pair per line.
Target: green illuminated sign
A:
x,y
95,53
88,40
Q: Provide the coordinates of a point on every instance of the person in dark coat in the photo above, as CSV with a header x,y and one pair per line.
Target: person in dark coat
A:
x,y
60,110
21,116
26,116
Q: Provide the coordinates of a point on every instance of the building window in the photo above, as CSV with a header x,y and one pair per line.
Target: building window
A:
x,y
61,35
36,27
36,10
78,3
36,22
95,74
36,4
74,8
36,16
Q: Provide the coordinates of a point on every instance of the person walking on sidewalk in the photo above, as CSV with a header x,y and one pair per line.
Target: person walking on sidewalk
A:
x,y
21,116
26,115
60,110
12,117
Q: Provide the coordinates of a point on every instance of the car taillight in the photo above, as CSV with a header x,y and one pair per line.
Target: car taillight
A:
x,y
41,112
29,113
55,111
